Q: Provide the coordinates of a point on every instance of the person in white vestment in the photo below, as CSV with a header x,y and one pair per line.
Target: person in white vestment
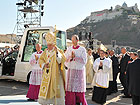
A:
x,y
76,58
36,75
110,88
101,67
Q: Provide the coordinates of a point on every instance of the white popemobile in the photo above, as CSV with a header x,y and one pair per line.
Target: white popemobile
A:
x,y
16,65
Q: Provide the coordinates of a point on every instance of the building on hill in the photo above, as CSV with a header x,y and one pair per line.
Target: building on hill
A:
x,y
110,13
124,5
7,38
101,15
134,18
132,8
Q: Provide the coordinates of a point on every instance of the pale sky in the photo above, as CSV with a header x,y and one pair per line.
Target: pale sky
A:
x,y
62,13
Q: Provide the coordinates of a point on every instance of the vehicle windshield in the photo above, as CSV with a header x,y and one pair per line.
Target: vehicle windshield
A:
x,y
38,36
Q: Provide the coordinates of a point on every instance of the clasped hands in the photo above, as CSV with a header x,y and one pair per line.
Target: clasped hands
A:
x,y
101,64
72,55
36,57
47,65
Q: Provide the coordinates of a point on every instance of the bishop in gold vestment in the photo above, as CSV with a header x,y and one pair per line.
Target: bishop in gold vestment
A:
x,y
52,89
89,69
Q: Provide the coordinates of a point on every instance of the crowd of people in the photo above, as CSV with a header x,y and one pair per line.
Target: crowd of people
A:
x,y
5,51
108,67
61,78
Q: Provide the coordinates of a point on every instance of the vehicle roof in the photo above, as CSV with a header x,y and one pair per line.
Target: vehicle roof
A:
x,y
45,27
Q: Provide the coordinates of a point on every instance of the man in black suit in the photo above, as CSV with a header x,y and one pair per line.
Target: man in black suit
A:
x,y
133,80
123,65
96,54
115,67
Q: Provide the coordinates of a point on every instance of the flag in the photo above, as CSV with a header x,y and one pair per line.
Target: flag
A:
x,y
100,14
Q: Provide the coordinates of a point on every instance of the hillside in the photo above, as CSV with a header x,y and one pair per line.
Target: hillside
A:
x,y
123,29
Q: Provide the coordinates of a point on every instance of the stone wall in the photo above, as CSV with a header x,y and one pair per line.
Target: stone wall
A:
x,y
7,38
99,16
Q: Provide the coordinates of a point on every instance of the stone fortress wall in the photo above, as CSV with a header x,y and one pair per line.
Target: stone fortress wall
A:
x,y
109,13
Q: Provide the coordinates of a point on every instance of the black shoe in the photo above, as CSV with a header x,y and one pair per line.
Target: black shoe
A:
x,y
108,94
129,96
30,99
114,91
122,91
126,96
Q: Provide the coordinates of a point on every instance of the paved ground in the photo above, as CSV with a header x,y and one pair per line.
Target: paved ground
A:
x,y
14,93
113,99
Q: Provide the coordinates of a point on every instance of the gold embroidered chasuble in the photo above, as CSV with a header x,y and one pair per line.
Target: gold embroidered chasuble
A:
x,y
50,86
89,69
